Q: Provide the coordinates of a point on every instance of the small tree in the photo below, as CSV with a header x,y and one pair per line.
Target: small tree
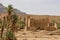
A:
x,y
20,24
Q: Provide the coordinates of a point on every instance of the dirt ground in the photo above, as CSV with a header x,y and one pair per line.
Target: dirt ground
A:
x,y
39,35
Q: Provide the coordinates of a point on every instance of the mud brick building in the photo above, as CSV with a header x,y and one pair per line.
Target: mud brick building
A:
x,y
37,21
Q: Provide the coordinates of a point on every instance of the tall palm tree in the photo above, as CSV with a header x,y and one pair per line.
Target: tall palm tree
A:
x,y
9,10
12,19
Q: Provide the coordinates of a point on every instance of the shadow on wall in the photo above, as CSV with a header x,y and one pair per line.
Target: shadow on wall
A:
x,y
38,24
42,24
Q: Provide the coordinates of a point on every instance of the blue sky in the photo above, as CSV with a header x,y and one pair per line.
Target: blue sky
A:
x,y
45,7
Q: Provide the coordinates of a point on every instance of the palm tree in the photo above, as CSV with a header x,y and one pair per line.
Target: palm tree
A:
x,y
14,21
10,10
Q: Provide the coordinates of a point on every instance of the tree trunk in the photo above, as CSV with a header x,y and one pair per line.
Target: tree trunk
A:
x,y
2,29
13,27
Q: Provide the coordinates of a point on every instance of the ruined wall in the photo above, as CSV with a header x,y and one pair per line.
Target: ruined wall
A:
x,y
37,21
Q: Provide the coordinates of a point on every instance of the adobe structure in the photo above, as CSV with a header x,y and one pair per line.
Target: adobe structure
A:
x,y
37,21
41,22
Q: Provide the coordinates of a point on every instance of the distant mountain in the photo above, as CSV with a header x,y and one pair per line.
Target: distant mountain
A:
x,y
18,11
4,10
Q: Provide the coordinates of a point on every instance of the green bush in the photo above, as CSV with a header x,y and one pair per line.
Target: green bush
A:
x,y
22,25
10,35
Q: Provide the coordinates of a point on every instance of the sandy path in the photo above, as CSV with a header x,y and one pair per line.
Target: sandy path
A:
x,y
41,35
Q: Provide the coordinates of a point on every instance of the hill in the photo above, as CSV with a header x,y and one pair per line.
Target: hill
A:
x,y
3,9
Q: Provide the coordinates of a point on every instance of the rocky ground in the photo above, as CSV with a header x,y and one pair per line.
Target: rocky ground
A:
x,y
39,35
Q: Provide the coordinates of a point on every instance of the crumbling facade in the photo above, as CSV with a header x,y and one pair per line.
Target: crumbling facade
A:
x,y
36,22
